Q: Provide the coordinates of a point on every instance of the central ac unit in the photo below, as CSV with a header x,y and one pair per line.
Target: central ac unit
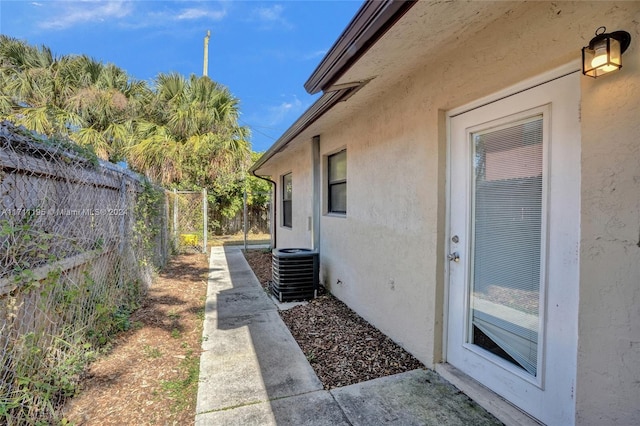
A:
x,y
295,274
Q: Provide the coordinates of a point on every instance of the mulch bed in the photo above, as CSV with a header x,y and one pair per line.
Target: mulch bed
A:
x,y
342,347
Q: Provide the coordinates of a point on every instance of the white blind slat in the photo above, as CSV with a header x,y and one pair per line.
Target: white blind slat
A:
x,y
507,224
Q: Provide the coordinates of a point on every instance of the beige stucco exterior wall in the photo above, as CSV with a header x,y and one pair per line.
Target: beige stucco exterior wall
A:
x,y
385,259
297,162
608,381
381,258
388,252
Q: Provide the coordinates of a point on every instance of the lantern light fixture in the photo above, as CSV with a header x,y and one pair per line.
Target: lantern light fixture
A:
x,y
604,52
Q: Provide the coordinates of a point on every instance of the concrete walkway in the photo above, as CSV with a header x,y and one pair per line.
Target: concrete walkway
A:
x,y
252,371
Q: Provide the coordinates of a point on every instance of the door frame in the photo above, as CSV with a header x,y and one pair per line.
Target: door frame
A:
x,y
523,86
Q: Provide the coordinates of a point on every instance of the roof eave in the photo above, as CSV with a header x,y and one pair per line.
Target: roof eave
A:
x,y
315,111
370,23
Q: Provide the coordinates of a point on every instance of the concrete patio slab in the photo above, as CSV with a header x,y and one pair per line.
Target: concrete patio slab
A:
x,y
252,358
229,270
252,371
315,408
249,355
418,397
238,302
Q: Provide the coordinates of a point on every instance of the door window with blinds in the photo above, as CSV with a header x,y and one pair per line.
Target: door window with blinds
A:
x,y
507,219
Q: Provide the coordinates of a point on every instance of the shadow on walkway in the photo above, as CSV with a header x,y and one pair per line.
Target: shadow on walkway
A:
x,y
252,371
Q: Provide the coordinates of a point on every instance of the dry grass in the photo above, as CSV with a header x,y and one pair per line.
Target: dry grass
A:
x,y
238,239
150,376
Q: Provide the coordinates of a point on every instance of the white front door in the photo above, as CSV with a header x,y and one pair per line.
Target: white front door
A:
x,y
513,243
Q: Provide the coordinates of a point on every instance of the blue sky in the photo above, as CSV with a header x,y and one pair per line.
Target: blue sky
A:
x,y
262,51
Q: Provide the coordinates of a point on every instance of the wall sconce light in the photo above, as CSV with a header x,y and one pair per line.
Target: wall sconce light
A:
x,y
604,52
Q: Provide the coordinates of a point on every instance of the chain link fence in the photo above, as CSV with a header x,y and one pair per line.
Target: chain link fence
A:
x,y
188,217
191,212
79,243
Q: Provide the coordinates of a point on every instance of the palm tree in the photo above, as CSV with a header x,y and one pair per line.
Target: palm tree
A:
x,y
182,129
191,132
108,103
32,92
74,96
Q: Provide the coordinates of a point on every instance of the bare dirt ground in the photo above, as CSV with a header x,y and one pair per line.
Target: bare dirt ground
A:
x,y
341,346
150,375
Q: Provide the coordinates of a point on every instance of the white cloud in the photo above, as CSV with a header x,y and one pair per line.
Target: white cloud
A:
x,y
270,16
314,55
287,109
126,13
83,12
273,13
195,13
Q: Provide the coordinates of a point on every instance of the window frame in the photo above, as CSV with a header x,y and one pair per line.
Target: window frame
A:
x,y
287,201
336,182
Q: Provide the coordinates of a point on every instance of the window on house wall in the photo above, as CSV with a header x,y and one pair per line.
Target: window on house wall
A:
x,y
287,197
337,171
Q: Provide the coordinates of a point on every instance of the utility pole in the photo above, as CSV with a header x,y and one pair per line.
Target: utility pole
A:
x,y
205,67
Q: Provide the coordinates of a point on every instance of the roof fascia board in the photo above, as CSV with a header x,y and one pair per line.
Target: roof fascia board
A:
x,y
315,111
372,20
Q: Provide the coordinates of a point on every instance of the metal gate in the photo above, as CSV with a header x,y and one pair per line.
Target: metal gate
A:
x,y
188,218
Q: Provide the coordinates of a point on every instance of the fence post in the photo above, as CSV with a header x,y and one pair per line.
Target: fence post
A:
x,y
165,227
175,218
245,216
122,230
205,213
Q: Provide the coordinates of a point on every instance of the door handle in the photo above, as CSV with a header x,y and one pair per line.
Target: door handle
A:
x,y
453,257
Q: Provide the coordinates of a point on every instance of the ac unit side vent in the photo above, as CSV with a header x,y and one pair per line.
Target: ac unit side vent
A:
x,y
295,274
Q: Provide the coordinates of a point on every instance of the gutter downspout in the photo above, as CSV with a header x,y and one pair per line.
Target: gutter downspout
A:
x,y
274,205
315,229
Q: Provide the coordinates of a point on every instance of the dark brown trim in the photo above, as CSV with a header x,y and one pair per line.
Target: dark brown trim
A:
x,y
370,23
373,19
319,107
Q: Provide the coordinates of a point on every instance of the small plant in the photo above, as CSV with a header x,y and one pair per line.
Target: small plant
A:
x,y
152,352
184,389
311,357
121,320
34,393
175,333
200,313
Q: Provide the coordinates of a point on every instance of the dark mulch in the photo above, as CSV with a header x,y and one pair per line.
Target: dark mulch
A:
x,y
342,347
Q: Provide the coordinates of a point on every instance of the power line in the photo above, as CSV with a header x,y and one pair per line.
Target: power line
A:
x,y
254,128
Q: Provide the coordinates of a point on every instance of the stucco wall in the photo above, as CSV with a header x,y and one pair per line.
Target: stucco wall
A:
x,y
297,162
388,253
385,258
608,382
381,258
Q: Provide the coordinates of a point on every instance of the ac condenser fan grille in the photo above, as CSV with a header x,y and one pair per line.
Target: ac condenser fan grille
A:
x,y
295,274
